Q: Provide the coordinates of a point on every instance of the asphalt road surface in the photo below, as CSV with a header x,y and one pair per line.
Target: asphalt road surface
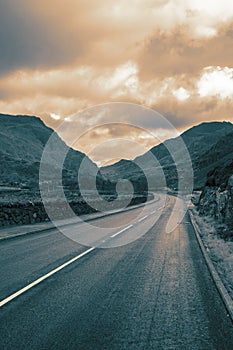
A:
x,y
153,293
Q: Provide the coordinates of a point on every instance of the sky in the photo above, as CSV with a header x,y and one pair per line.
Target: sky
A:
x,y
61,57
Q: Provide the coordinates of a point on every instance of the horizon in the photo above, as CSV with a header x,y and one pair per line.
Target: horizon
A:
x,y
95,156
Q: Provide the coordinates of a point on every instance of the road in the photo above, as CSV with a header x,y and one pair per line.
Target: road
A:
x,y
152,293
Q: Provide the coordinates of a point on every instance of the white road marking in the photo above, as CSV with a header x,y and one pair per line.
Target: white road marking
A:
x,y
39,280
143,218
124,229
29,286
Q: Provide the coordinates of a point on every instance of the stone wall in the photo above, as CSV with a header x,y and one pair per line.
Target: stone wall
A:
x,y
34,212
31,213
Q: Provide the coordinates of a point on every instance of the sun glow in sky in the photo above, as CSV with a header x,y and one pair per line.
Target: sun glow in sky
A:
x,y
174,56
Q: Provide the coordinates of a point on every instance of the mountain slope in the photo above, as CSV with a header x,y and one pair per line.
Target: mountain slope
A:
x,y
221,151
22,141
208,144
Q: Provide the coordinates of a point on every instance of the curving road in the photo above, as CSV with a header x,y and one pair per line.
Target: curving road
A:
x,y
153,293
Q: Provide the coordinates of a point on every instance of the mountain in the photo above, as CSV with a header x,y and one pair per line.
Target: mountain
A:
x,y
23,138
219,156
23,144
209,145
22,141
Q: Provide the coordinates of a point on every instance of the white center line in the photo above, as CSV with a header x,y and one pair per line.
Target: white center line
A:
x,y
29,286
124,229
142,218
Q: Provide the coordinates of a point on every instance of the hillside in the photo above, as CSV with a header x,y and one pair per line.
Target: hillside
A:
x,y
219,156
209,145
22,141
23,138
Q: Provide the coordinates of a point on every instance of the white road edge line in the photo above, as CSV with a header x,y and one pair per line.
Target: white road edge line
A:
x,y
29,286
143,218
124,229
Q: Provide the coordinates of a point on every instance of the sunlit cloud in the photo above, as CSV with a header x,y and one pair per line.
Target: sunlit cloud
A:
x,y
216,81
181,94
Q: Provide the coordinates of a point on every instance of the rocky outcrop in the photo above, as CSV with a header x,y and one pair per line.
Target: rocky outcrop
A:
x,y
216,199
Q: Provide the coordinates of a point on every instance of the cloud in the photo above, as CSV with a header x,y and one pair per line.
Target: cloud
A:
x,y
216,81
182,95
29,39
177,52
42,34
183,114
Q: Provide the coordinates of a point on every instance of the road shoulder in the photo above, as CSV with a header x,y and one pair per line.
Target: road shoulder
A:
x,y
213,271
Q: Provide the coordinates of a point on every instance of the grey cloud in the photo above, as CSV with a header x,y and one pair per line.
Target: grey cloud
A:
x,y
183,114
28,41
177,53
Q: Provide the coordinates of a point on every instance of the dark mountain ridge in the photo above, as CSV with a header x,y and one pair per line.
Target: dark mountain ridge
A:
x,y
23,138
22,142
209,145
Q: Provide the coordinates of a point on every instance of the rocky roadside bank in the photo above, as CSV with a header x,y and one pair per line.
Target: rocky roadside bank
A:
x,y
216,200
